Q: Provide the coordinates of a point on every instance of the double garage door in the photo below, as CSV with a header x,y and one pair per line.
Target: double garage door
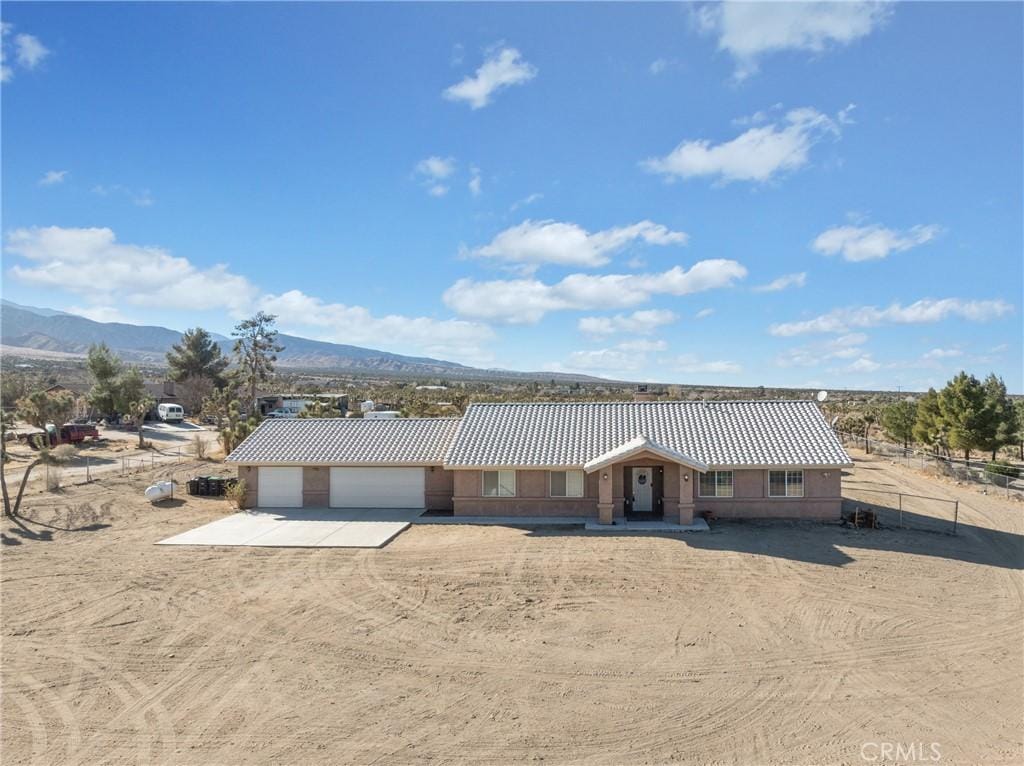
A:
x,y
350,488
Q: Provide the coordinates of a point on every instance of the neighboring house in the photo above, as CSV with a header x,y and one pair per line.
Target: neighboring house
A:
x,y
165,392
670,460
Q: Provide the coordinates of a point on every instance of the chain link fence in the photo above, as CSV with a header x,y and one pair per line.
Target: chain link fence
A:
x,y
969,472
899,510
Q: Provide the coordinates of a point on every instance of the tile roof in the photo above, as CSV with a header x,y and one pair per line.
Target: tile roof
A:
x,y
348,441
720,433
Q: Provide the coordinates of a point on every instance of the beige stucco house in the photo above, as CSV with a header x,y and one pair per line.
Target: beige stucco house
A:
x,y
650,460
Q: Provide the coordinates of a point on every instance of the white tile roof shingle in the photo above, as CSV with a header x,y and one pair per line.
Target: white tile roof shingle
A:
x,y
720,434
347,441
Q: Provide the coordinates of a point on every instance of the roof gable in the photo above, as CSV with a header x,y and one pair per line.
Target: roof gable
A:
x,y
637,446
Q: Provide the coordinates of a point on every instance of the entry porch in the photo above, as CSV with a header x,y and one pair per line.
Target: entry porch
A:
x,y
644,481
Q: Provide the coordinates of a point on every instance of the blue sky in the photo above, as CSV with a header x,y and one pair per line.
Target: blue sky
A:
x,y
805,195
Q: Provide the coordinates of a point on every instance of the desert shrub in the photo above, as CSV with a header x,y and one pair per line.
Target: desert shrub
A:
x,y
1002,468
199,446
54,475
235,493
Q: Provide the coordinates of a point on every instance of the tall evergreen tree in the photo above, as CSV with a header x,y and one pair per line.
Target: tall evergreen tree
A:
x,y
197,355
1018,408
962,404
929,427
898,420
1000,418
256,350
104,368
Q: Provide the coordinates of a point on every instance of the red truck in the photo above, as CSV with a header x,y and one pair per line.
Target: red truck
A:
x,y
69,433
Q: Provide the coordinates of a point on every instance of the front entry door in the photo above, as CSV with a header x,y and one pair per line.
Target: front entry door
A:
x,y
643,489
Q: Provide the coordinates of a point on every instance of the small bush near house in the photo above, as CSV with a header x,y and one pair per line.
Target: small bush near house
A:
x,y
1002,468
235,493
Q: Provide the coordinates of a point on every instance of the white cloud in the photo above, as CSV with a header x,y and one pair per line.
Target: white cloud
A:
x,y
844,347
757,155
703,313
614,361
750,30
92,263
341,323
28,51
863,243
638,323
432,171
525,301
942,353
659,65
567,244
143,198
528,200
107,273
100,314
864,364
782,283
691,364
475,182
923,311
52,178
501,69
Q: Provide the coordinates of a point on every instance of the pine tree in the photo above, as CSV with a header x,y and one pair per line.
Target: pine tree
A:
x,y
197,355
104,368
929,427
898,420
962,405
1000,416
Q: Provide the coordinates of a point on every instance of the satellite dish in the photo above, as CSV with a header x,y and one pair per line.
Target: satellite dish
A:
x,y
822,396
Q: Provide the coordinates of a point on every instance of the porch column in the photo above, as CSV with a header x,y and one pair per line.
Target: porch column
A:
x,y
686,491
605,506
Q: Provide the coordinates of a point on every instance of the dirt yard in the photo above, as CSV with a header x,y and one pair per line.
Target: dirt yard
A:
x,y
770,643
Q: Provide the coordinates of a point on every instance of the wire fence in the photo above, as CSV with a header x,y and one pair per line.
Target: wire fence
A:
x,y
969,472
902,510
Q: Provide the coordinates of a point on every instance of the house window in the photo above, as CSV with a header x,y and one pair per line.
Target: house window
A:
x,y
499,483
716,484
785,483
567,484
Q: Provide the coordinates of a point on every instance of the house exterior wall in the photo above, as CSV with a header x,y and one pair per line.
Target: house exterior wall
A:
x,y
533,496
250,475
316,486
822,497
439,488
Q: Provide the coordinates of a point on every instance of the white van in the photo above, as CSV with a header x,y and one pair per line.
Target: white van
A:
x,y
170,413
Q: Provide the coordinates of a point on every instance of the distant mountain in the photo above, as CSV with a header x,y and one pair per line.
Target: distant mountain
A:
x,y
56,332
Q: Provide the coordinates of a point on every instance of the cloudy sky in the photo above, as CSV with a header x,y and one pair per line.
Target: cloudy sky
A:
x,y
801,194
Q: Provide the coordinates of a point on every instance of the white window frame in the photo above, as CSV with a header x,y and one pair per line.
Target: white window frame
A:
x,y
718,486
583,483
501,483
787,475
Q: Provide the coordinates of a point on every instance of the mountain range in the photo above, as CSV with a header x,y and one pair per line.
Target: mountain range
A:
x,y
44,330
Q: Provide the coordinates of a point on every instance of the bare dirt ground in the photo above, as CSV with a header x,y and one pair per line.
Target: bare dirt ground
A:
x,y
759,643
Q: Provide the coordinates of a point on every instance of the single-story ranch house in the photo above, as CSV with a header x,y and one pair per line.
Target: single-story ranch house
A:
x,y
670,460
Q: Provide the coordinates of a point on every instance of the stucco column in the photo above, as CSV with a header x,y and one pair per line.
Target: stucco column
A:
x,y
686,479
605,506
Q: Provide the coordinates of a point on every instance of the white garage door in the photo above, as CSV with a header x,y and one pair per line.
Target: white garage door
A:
x,y
279,488
377,488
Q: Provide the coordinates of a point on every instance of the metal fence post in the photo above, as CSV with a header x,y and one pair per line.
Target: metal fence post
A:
x,y
87,478
901,510
956,515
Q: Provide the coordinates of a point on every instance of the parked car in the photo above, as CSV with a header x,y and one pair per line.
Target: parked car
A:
x,y
69,433
170,413
282,412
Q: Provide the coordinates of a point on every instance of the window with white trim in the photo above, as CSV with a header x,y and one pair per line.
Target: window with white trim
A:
x,y
785,483
715,484
566,483
499,483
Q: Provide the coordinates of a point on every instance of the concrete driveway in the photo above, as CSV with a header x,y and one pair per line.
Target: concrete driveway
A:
x,y
302,528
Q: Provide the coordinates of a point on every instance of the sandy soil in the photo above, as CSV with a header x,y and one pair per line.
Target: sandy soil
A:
x,y
755,644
